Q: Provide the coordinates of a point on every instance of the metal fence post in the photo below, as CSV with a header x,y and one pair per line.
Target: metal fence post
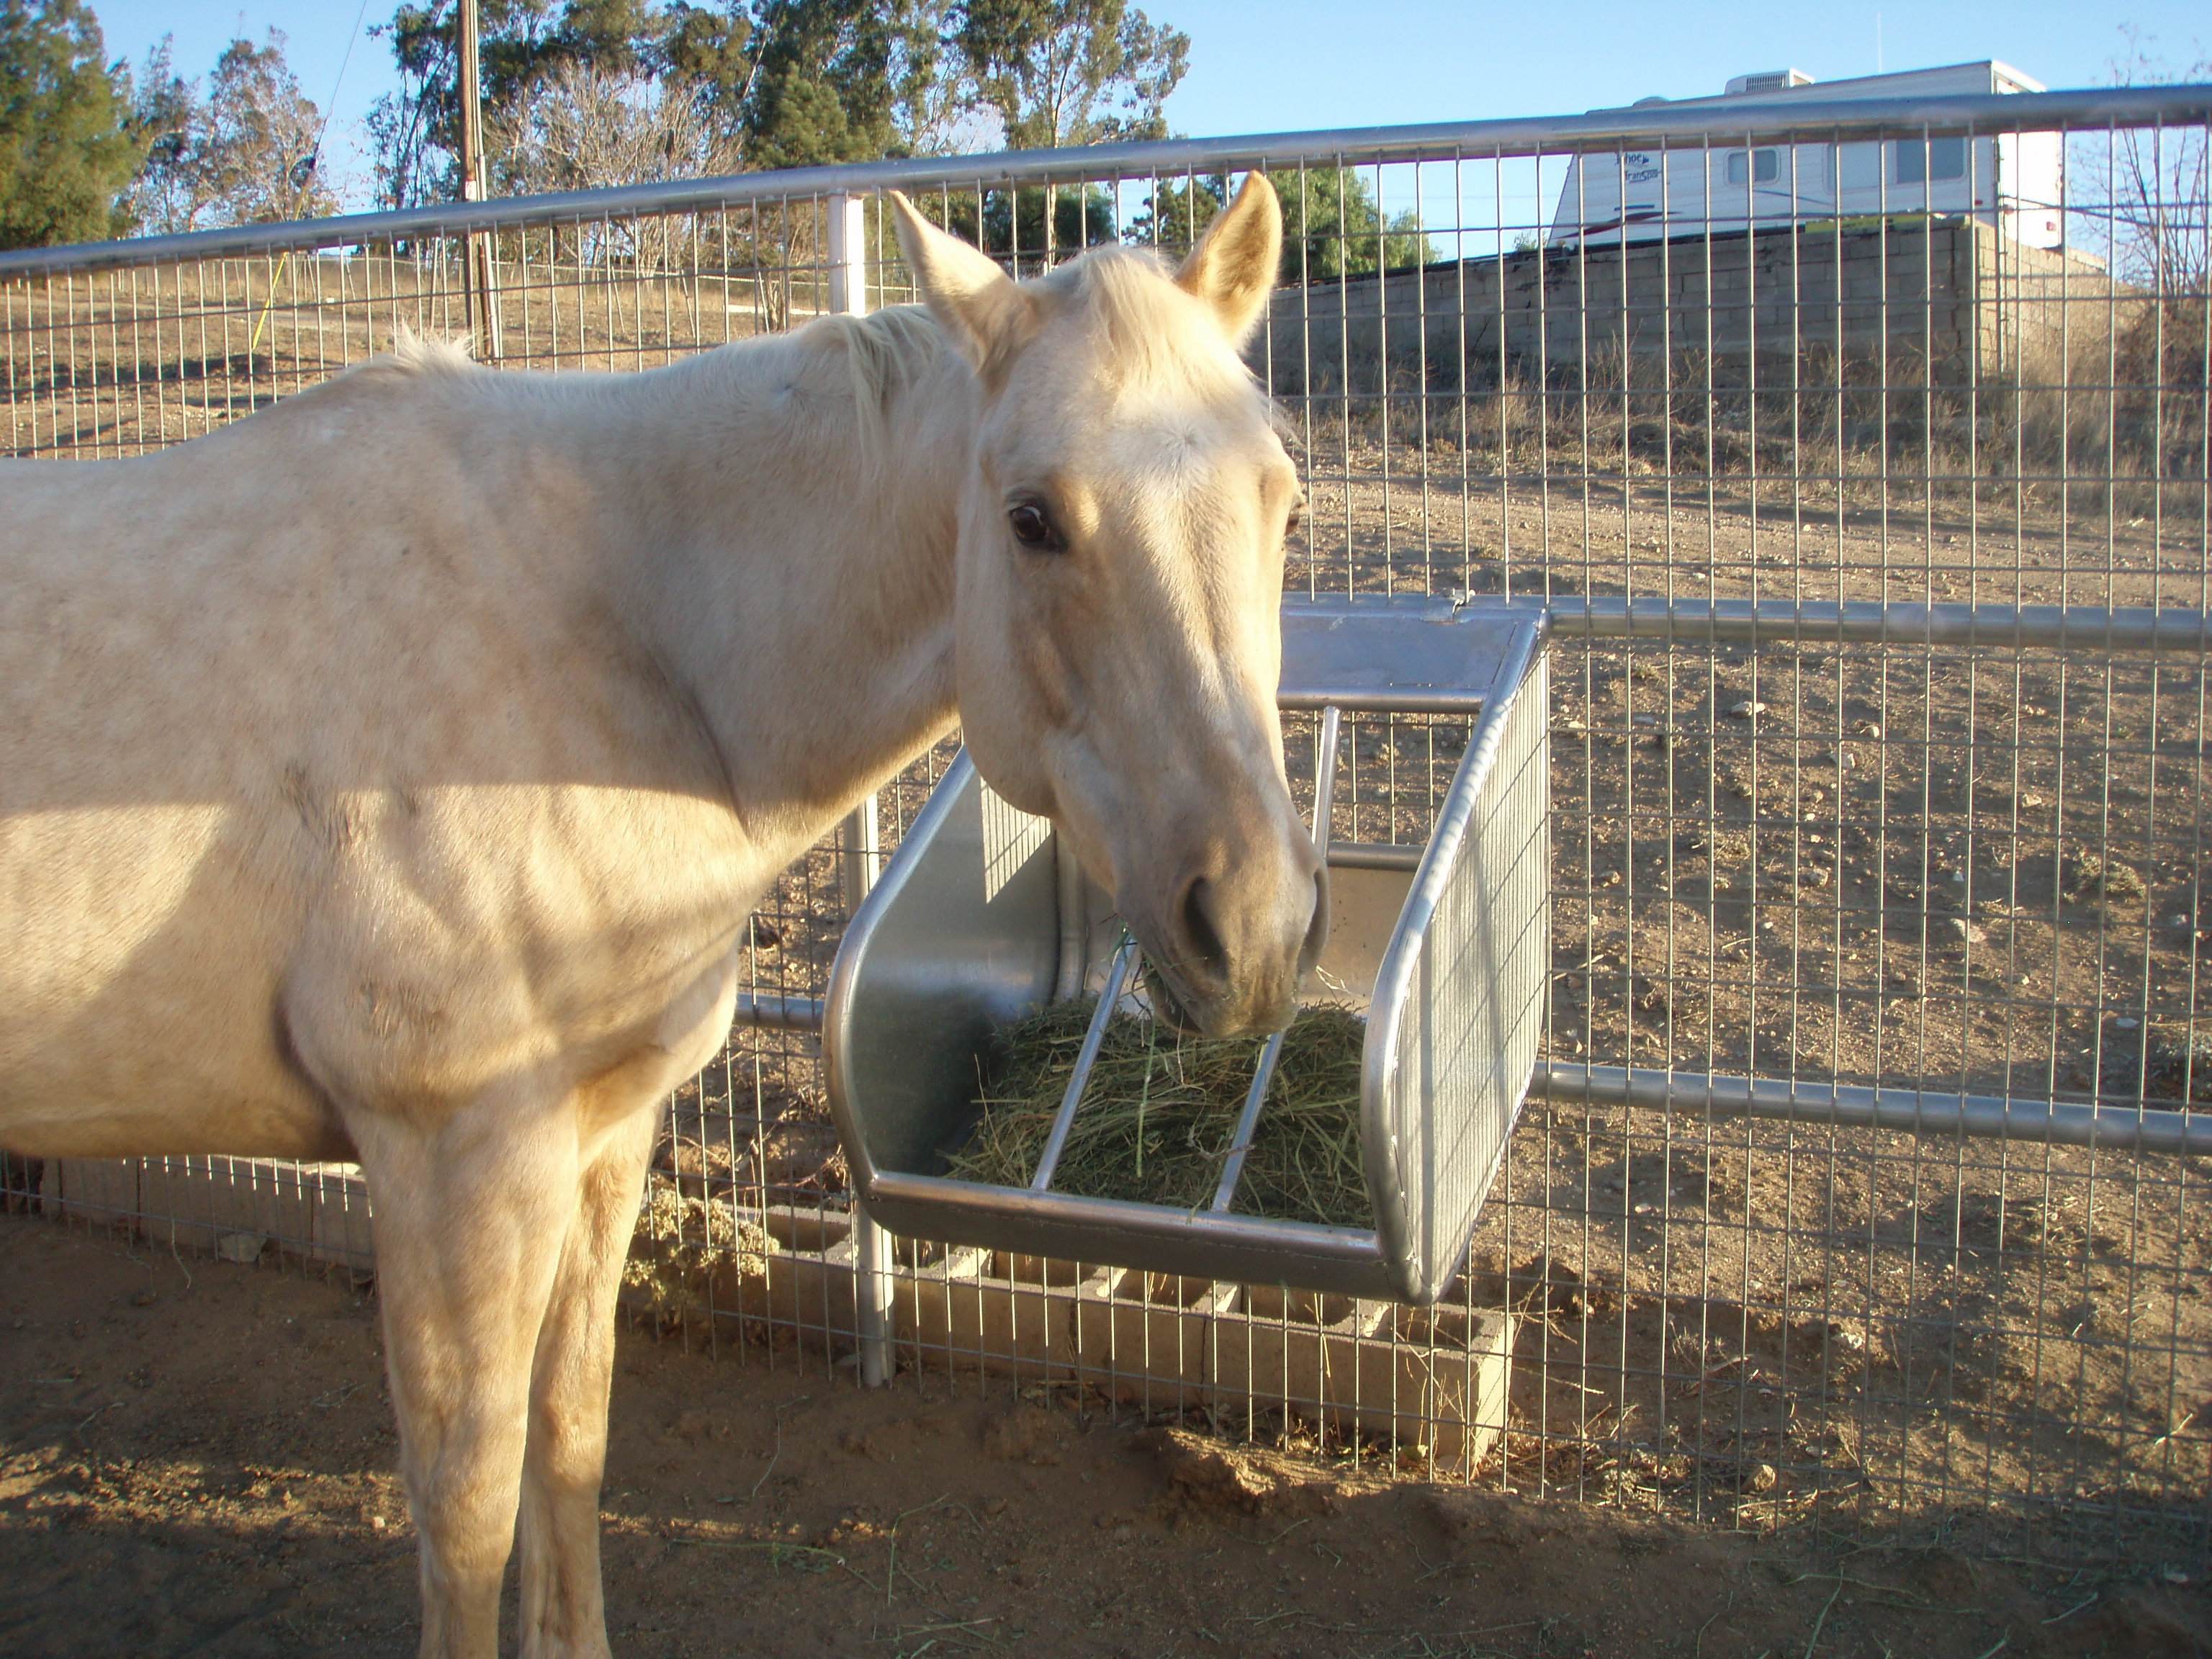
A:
x,y
861,839
848,255
871,1246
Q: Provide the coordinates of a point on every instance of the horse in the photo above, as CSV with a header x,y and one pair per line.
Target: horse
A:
x,y
390,775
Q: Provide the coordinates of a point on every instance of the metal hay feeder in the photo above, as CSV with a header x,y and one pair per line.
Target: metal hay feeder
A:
x,y
979,920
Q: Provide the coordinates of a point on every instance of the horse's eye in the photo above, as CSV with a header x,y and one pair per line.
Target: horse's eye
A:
x,y
1297,517
1033,527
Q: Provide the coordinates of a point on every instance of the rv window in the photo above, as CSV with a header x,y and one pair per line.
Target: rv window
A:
x,y
1762,165
1939,158
1860,166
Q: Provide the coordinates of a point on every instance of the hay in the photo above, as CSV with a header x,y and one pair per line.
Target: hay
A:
x,y
1161,1108
681,1245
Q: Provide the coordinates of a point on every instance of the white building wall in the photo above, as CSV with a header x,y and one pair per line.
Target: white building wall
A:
x,y
2011,182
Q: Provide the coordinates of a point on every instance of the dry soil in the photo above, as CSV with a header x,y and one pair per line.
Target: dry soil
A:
x,y
196,1457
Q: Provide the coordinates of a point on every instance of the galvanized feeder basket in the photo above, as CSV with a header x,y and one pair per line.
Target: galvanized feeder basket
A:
x,y
980,919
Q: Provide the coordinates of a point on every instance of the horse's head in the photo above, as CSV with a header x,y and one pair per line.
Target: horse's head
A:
x,y
1121,576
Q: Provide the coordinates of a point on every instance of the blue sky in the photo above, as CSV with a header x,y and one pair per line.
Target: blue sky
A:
x,y
1304,63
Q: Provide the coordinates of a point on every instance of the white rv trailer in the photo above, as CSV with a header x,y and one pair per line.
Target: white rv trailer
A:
x,y
2010,181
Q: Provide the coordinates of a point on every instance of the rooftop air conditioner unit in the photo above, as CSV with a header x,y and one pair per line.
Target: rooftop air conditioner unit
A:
x,y
1768,80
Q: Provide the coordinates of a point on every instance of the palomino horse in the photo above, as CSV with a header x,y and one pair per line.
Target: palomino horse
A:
x,y
391,776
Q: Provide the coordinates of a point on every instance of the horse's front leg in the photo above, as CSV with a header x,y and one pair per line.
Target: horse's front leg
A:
x,y
563,1613
470,1217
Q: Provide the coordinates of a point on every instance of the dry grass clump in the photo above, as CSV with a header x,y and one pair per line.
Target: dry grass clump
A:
x,y
681,1243
1161,1108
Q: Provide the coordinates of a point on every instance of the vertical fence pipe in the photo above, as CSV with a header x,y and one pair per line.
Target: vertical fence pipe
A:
x,y
860,837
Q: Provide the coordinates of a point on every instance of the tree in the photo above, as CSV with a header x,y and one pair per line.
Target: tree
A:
x,y
165,116
1010,223
840,79
1331,224
801,81
2160,180
1060,72
415,133
779,83
585,126
248,154
65,147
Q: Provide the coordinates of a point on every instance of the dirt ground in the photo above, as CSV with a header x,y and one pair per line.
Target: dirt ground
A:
x,y
196,1457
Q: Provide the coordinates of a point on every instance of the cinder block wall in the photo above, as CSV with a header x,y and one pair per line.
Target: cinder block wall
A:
x,y
1968,303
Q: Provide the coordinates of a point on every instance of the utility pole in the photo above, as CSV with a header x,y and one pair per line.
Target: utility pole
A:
x,y
477,247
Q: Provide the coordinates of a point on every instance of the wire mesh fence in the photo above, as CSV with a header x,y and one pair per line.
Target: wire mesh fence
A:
x,y
1788,360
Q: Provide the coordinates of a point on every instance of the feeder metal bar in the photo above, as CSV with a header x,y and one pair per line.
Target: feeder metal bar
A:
x,y
1117,977
1239,1248
1248,1121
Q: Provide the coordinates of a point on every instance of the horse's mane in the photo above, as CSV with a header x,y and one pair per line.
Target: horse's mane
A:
x,y
1151,331
885,353
418,353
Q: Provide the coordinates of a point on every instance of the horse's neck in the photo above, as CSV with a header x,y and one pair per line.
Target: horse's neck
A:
x,y
805,596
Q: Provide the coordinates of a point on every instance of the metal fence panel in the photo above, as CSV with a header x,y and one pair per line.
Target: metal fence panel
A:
x,y
1877,537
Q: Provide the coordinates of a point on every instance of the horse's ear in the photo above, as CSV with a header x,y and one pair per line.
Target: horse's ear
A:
x,y
1233,267
987,316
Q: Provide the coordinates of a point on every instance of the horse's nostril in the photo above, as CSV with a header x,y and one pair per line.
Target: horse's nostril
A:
x,y
1207,957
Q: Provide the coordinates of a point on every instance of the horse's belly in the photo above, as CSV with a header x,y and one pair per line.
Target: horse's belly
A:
x,y
136,976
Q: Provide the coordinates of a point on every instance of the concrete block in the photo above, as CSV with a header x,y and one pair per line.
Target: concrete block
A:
x,y
104,1190
810,1290
1300,1347
195,1203
1145,1333
796,1228
1452,1372
1431,1380
337,1200
973,1312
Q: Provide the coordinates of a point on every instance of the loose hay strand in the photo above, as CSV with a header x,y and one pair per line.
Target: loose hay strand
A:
x,y
1156,1119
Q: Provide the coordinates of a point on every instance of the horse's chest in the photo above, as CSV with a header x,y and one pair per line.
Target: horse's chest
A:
x,y
516,927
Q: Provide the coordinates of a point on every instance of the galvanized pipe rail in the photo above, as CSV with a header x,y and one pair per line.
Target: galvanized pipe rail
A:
x,y
1911,1111
1809,120
1934,1113
1784,622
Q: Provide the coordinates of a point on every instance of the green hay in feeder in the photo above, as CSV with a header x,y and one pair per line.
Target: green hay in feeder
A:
x,y
1161,1108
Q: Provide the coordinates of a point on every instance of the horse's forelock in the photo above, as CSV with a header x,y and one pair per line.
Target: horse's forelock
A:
x,y
1152,332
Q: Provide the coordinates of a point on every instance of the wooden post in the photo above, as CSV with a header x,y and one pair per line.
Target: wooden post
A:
x,y
477,247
